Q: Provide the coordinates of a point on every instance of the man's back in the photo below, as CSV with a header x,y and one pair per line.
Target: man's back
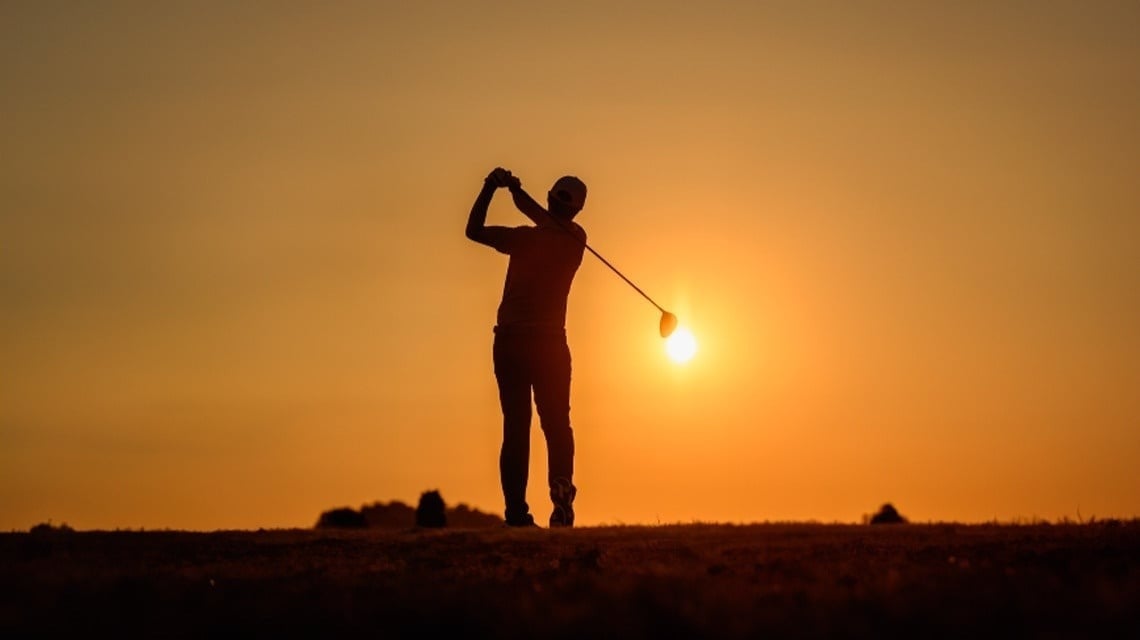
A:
x,y
543,262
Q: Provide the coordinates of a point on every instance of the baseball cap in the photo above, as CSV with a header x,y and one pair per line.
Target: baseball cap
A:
x,y
570,190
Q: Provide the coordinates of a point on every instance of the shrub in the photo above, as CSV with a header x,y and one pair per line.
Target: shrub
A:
x,y
397,515
467,517
47,527
431,512
342,518
392,515
888,515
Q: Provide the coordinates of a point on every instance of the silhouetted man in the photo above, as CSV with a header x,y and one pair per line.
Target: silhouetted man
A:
x,y
530,349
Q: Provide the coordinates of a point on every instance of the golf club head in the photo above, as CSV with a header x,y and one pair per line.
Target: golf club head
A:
x,y
668,324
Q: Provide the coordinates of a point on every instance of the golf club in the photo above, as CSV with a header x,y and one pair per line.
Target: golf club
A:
x,y
668,321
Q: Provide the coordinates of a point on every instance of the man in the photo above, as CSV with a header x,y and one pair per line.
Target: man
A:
x,y
530,349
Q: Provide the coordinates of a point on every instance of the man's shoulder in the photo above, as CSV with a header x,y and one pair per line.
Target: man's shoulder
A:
x,y
562,227
518,231
575,229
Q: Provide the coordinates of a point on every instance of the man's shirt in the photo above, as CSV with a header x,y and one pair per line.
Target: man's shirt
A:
x,y
543,262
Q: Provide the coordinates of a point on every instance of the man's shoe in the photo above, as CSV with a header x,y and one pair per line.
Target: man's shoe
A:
x,y
526,521
562,493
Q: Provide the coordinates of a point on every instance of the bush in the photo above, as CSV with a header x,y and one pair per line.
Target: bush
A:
x,y
888,515
47,527
431,512
466,517
342,518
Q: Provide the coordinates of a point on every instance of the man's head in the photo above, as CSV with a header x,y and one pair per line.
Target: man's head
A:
x,y
567,197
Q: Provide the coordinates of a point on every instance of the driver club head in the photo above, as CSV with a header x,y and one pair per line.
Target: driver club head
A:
x,y
668,324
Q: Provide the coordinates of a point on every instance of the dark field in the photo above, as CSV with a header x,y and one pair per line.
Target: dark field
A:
x,y
629,582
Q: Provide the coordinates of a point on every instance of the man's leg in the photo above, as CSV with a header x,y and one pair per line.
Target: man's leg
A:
x,y
552,398
514,456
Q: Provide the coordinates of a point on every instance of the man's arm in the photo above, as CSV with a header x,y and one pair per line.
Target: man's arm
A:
x,y
477,229
526,204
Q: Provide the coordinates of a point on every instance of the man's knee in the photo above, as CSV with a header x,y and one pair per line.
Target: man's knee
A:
x,y
557,427
553,409
516,426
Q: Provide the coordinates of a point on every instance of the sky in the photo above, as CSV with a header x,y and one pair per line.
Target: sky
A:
x,y
235,290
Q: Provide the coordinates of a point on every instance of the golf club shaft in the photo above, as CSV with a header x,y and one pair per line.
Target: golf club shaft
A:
x,y
605,262
596,254
622,276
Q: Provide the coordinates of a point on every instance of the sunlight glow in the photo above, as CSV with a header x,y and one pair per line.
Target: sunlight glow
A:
x,y
681,346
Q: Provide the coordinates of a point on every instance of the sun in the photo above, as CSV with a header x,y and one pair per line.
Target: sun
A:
x,y
681,346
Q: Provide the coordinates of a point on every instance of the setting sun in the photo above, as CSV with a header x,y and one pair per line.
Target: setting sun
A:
x,y
681,346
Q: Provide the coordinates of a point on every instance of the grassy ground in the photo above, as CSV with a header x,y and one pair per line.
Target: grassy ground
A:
x,y
630,582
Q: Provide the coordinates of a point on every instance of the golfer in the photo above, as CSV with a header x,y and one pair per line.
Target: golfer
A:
x,y
530,350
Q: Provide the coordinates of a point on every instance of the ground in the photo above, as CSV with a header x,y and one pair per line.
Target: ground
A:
x,y
696,580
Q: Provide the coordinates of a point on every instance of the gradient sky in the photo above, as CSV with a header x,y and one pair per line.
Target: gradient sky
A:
x,y
235,290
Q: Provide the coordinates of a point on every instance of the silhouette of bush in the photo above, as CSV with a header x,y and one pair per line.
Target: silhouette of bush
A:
x,y
44,528
887,514
465,517
431,512
388,515
398,515
342,518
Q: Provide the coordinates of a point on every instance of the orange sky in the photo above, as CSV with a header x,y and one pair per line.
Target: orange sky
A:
x,y
235,291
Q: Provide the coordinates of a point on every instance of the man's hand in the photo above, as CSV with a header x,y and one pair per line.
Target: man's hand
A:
x,y
500,177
